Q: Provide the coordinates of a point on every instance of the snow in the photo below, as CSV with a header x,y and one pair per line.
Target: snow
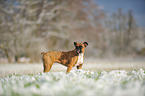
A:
x,y
76,83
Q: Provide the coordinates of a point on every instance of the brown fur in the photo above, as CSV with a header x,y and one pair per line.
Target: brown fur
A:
x,y
68,59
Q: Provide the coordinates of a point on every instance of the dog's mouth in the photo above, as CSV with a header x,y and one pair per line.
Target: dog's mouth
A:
x,y
78,51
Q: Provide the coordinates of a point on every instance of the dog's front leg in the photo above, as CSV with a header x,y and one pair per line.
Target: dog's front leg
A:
x,y
69,69
70,65
80,66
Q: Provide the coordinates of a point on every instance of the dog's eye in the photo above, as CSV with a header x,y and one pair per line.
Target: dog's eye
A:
x,y
77,47
81,47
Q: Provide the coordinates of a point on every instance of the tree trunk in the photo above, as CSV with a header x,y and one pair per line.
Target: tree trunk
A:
x,y
7,55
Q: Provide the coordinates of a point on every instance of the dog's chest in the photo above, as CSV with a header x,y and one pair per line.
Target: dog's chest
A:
x,y
80,59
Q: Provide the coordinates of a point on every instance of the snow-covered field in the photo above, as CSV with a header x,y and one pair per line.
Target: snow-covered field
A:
x,y
96,79
91,64
76,83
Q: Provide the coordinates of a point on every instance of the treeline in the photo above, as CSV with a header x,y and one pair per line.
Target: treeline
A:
x,y
28,27
122,36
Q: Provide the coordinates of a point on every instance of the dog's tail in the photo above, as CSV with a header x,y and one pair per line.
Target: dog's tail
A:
x,y
43,53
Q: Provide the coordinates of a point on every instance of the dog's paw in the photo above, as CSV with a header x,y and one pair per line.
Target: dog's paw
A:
x,y
79,70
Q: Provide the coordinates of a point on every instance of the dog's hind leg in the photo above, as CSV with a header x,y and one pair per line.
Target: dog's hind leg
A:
x,y
47,63
47,67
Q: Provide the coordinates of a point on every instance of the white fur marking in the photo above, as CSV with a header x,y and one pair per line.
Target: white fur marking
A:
x,y
80,59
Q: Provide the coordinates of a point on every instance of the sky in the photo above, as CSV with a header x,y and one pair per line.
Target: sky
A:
x,y
137,6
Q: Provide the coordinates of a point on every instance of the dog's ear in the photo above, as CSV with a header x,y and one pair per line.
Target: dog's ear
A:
x,y
85,44
75,43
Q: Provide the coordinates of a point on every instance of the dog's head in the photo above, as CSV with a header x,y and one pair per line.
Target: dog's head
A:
x,y
80,47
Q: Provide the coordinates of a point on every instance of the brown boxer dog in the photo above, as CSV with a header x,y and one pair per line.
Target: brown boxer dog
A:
x,y
68,59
